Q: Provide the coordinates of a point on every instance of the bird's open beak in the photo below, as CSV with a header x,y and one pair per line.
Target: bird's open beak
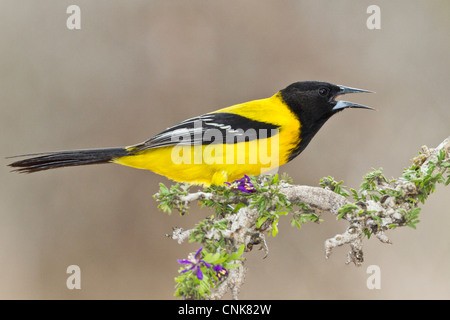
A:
x,y
345,104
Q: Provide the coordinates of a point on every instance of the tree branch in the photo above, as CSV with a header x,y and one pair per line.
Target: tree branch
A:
x,y
378,206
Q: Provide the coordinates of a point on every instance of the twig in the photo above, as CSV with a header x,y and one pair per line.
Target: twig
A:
x,y
380,206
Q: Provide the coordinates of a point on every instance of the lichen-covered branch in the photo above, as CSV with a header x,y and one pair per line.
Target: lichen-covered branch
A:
x,y
249,210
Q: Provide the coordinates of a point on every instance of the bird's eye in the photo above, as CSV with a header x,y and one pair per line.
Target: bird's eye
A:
x,y
323,91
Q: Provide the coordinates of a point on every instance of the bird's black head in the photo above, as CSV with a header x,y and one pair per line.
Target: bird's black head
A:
x,y
314,103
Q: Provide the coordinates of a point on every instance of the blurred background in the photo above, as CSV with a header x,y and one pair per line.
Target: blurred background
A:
x,y
137,67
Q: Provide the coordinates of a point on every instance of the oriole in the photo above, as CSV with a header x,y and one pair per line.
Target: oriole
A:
x,y
245,139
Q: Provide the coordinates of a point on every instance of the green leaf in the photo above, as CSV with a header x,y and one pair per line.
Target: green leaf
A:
x,y
241,250
348,208
232,265
211,257
260,221
236,255
239,206
275,227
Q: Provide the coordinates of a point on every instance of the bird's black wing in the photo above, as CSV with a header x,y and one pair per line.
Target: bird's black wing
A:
x,y
210,128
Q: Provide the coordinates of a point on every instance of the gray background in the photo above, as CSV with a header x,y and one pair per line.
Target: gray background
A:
x,y
137,67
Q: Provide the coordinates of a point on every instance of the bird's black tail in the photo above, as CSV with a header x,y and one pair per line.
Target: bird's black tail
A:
x,y
51,160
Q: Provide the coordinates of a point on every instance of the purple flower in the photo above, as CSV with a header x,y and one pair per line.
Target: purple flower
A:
x,y
244,185
220,271
195,264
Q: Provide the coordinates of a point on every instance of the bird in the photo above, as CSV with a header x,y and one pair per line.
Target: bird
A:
x,y
218,147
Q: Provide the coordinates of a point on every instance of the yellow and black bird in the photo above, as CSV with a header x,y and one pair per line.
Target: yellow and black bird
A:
x,y
221,146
